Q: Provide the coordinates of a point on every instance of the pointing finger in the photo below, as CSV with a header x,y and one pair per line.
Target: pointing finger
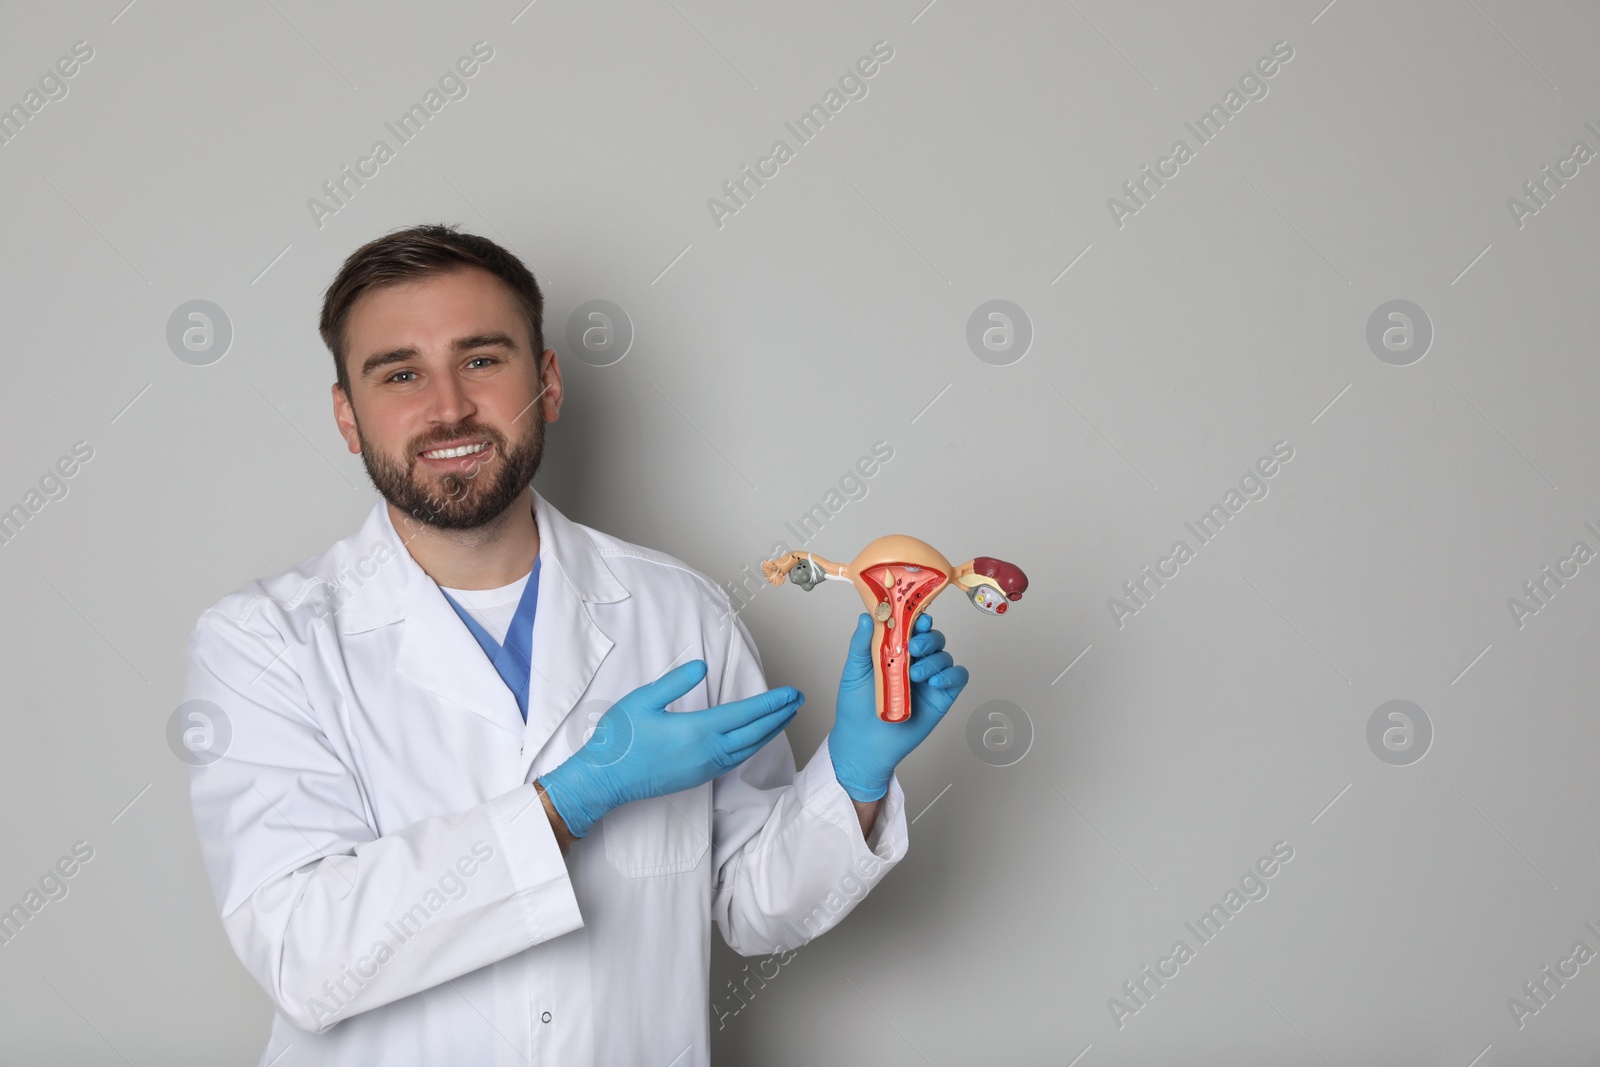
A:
x,y
759,731
734,714
750,750
674,684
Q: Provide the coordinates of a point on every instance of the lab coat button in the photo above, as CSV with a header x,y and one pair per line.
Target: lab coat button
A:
x,y
545,1017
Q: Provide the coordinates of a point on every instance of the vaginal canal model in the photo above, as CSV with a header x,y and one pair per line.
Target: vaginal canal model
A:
x,y
898,577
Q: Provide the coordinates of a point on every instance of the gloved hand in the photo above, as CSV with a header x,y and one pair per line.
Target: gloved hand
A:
x,y
865,749
640,750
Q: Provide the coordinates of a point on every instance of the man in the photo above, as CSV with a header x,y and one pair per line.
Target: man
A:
x,y
456,820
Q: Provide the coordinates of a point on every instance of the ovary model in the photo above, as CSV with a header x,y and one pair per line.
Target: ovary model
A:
x,y
898,577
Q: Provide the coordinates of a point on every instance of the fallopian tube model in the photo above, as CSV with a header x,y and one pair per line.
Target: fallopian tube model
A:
x,y
898,577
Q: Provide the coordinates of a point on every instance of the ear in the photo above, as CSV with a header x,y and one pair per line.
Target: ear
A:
x,y
550,384
345,415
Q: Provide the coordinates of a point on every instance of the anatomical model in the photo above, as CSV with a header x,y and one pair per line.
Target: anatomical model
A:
x,y
898,577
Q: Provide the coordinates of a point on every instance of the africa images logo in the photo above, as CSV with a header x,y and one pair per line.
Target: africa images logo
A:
x,y
1253,485
805,129
1252,86
453,85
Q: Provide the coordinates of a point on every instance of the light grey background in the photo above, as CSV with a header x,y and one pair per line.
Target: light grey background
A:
x,y
1228,314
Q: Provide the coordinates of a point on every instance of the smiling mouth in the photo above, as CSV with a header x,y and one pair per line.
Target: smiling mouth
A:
x,y
456,452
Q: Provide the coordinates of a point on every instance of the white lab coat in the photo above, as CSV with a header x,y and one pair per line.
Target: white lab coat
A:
x,y
387,874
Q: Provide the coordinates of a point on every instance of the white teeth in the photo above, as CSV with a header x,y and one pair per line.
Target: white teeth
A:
x,y
452,453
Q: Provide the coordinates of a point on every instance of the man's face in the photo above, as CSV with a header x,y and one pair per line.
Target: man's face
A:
x,y
447,403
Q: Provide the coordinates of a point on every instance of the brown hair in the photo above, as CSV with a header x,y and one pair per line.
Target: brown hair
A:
x,y
422,252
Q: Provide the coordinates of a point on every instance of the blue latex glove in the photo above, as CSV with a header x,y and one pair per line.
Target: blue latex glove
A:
x,y
640,750
865,749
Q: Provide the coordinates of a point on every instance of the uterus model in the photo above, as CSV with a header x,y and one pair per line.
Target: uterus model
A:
x,y
898,577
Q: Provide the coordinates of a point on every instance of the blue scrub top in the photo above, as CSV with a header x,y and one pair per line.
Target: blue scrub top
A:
x,y
514,659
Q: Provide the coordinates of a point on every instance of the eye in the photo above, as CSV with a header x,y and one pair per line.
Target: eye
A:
x,y
482,359
395,377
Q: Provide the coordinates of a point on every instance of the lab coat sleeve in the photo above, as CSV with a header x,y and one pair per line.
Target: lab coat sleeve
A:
x,y
329,917
791,860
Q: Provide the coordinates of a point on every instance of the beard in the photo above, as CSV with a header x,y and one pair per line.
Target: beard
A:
x,y
453,501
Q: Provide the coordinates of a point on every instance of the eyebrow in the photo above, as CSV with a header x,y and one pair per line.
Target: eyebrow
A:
x,y
495,339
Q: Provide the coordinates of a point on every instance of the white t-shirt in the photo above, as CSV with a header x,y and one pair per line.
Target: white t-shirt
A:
x,y
492,608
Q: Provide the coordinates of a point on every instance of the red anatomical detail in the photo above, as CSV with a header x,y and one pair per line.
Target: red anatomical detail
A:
x,y
1012,581
907,589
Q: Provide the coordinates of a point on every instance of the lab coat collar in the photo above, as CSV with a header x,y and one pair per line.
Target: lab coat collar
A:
x,y
438,652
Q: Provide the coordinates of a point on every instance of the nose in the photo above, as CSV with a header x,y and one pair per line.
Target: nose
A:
x,y
451,401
